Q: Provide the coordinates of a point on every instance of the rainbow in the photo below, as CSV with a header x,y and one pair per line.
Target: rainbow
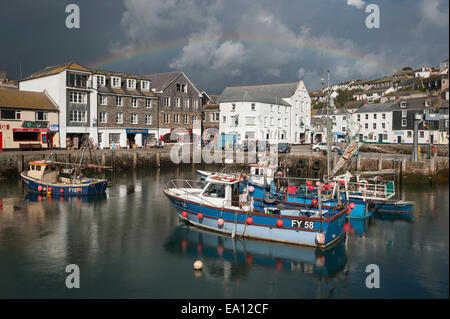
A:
x,y
250,38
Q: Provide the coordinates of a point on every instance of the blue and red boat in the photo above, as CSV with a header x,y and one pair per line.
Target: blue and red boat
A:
x,y
48,177
222,203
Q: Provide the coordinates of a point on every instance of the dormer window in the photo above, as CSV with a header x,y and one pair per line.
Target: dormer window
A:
x,y
101,80
427,103
402,104
131,84
145,85
115,82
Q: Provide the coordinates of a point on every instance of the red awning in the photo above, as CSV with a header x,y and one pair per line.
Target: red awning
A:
x,y
30,129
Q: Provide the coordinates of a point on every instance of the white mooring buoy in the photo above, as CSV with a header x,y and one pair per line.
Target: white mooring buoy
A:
x,y
198,265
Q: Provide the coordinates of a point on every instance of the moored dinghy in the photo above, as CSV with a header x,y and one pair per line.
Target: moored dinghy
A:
x,y
223,205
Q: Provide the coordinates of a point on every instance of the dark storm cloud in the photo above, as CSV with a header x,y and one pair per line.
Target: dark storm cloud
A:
x,y
219,43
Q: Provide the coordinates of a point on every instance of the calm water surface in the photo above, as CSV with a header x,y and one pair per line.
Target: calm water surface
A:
x,y
131,245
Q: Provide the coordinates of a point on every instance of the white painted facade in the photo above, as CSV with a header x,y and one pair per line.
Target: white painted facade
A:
x,y
56,88
273,122
374,127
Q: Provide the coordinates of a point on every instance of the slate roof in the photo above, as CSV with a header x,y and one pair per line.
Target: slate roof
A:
x,y
114,91
26,100
375,108
161,81
267,93
323,112
415,103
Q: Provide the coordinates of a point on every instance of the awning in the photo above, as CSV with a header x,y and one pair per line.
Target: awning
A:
x,y
30,129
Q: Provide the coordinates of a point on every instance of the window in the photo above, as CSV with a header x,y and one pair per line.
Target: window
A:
x,y
253,108
100,138
409,134
119,101
375,116
367,116
250,120
233,107
76,80
185,119
383,125
131,84
186,103
10,115
148,103
385,137
166,101
181,87
421,134
383,116
279,109
145,85
115,82
166,118
359,117
404,113
119,118
103,117
194,119
26,137
77,116
374,126
279,122
78,97
366,125
41,116
100,80
215,191
224,119
134,118
176,119
195,104
134,102
148,119
176,101
271,108
102,99
403,104
404,122
114,138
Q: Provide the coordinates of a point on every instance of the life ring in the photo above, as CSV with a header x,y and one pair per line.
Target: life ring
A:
x,y
378,179
363,185
301,163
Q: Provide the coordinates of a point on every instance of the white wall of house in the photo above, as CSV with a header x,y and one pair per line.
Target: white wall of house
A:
x,y
300,115
407,136
372,124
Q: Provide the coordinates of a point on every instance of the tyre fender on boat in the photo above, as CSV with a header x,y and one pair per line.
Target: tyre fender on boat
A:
x,y
269,198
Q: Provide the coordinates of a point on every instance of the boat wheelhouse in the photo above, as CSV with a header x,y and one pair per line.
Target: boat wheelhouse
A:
x,y
224,205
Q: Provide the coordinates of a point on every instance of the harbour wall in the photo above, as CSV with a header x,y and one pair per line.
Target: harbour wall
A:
x,y
300,165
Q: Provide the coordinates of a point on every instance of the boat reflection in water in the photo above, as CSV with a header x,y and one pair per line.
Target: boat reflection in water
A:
x,y
233,258
36,197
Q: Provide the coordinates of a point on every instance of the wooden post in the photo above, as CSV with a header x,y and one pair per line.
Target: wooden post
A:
x,y
104,159
358,162
19,163
380,162
135,159
158,164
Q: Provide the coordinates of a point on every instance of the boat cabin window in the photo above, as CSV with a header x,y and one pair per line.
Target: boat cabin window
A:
x,y
215,190
38,168
33,167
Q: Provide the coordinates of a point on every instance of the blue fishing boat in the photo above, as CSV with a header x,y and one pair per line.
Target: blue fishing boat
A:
x,y
223,205
49,178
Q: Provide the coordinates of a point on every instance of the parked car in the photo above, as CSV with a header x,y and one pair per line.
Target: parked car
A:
x,y
284,148
323,147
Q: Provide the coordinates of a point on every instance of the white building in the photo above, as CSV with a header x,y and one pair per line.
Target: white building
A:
x,y
375,123
266,112
341,121
70,87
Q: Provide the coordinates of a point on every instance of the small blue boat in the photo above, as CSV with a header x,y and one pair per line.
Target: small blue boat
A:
x,y
221,204
48,178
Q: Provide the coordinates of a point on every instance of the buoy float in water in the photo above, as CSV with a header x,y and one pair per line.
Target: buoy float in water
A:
x,y
198,265
39,188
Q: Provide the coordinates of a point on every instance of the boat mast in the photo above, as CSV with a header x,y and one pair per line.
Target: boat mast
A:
x,y
329,126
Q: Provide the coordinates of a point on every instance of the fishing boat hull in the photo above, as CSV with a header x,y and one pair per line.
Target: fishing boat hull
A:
x,y
264,226
90,187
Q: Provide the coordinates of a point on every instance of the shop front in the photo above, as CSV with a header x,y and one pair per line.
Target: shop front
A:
x,y
27,136
137,137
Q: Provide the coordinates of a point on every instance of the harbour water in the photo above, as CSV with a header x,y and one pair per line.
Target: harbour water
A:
x,y
130,244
